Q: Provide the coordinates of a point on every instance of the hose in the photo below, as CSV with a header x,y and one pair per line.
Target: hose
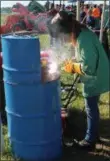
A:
x,y
71,89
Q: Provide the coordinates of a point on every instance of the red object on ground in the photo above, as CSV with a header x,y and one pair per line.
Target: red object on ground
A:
x,y
63,117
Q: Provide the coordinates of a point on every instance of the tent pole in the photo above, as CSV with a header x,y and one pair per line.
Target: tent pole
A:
x,y
63,4
77,17
60,2
102,21
48,5
78,11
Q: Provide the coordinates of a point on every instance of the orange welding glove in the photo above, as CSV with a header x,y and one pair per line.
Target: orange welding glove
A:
x,y
68,66
71,67
77,68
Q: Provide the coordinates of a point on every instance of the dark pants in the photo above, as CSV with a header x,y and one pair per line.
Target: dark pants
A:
x,y
91,104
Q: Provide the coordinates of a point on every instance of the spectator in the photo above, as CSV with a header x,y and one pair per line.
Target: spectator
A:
x,y
91,64
57,7
82,15
86,7
90,20
96,12
100,8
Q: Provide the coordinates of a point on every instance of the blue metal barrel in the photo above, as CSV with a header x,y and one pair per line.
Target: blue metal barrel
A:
x,y
33,108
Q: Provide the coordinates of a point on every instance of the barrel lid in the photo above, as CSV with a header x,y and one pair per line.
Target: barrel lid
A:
x,y
19,37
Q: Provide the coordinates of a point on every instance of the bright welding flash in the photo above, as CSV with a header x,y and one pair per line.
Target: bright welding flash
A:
x,y
53,67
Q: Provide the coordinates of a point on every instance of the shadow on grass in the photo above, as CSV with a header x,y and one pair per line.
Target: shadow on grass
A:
x,y
76,126
70,154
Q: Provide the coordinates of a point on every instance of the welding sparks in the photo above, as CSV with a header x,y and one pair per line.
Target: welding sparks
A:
x,y
53,67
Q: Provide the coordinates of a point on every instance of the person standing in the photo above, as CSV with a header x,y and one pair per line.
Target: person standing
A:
x,y
91,64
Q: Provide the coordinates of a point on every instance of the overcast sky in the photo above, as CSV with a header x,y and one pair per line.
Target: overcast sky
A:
x,y
11,3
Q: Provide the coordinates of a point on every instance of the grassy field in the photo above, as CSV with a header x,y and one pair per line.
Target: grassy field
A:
x,y
102,152
3,19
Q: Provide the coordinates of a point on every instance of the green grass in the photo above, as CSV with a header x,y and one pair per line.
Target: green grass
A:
x,y
3,19
78,105
44,41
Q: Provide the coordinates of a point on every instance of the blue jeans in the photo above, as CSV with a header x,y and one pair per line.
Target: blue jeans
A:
x,y
92,111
